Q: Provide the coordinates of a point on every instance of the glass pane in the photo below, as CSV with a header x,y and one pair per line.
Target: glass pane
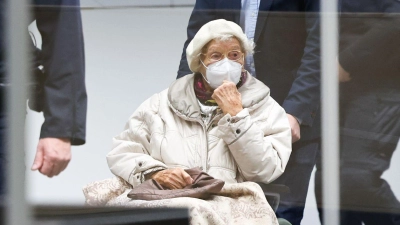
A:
x,y
121,53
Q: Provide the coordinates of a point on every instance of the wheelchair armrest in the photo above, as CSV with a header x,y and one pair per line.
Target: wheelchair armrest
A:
x,y
272,193
276,188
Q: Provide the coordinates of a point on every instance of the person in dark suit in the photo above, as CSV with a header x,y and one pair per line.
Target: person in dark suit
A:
x,y
287,60
369,72
62,96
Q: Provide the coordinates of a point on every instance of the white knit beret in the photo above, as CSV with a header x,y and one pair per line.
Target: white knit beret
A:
x,y
210,31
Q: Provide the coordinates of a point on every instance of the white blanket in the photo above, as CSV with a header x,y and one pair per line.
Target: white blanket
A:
x,y
242,203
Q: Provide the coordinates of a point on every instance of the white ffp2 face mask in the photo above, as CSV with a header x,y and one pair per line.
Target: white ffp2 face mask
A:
x,y
222,70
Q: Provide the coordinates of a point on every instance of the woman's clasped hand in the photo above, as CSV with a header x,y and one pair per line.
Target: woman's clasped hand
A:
x,y
175,178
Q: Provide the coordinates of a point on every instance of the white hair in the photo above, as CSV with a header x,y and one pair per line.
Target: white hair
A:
x,y
248,46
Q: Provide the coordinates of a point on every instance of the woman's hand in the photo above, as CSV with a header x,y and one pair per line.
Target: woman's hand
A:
x,y
228,98
175,178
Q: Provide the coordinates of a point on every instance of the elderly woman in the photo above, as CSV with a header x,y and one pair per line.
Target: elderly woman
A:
x,y
220,119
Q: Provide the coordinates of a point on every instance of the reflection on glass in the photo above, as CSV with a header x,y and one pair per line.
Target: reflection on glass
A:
x,y
369,75
286,58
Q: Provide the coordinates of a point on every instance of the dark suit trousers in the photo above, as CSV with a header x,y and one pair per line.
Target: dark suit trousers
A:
x,y
297,177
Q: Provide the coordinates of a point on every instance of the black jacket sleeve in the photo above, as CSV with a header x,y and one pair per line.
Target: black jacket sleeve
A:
x,y
376,50
65,100
303,100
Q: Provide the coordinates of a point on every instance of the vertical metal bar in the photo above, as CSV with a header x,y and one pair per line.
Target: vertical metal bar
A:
x,y
17,71
330,112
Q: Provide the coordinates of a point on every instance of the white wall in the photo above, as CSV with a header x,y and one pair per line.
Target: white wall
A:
x,y
130,54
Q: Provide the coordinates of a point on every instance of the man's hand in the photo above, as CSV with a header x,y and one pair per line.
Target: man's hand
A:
x,y
295,127
52,156
344,76
175,178
228,98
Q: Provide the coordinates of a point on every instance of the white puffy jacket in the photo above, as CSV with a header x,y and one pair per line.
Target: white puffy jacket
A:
x,y
167,131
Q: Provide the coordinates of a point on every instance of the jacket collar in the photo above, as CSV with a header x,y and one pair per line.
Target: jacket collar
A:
x,y
182,99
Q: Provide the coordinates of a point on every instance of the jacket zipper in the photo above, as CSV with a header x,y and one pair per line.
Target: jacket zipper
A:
x,y
204,152
205,129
